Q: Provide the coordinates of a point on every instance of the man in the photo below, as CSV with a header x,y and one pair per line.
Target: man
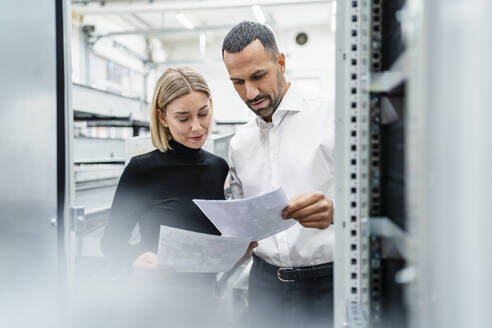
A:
x,y
290,143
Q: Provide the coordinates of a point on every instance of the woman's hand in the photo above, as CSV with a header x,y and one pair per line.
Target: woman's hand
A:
x,y
147,262
248,252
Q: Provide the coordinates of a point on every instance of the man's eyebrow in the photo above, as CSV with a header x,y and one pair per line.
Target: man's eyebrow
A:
x,y
258,71
254,73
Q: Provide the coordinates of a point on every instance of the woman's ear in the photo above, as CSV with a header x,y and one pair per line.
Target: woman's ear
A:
x,y
162,118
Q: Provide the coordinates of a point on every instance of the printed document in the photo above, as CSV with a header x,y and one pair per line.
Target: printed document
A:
x,y
188,251
256,217
240,221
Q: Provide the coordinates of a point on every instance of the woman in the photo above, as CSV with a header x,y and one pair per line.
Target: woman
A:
x,y
157,188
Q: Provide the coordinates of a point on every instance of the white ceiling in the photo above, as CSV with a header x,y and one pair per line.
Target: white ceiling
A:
x,y
144,15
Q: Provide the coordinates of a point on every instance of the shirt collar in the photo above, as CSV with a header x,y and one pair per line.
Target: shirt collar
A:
x,y
292,101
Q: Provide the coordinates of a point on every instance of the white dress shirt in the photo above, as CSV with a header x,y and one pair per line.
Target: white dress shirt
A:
x,y
296,151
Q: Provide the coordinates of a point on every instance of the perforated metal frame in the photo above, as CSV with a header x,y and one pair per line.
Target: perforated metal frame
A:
x,y
375,164
353,163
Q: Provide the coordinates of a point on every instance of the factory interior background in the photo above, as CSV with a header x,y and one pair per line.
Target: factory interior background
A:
x,y
409,82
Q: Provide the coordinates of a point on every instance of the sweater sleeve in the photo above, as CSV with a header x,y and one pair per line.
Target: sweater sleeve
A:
x,y
129,202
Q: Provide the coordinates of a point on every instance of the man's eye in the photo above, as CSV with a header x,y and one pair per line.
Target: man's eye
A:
x,y
257,77
238,82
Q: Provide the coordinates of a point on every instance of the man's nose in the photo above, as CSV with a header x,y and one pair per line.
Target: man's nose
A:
x,y
251,91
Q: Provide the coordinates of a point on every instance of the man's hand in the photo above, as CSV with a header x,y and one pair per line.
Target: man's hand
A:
x,y
248,252
312,210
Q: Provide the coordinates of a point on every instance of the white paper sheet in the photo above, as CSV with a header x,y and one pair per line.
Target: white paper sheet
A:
x,y
256,217
187,251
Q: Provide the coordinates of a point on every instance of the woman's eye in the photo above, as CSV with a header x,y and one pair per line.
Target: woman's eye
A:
x,y
203,114
182,119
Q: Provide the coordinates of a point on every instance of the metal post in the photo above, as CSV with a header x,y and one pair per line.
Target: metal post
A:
x,y
451,140
352,164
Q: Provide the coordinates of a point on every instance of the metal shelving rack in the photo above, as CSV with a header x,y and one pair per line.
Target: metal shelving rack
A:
x,y
361,231
99,161
444,76
352,165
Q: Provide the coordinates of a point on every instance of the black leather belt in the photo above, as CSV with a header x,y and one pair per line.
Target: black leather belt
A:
x,y
287,274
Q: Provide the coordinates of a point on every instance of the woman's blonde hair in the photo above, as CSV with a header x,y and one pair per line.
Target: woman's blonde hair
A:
x,y
174,83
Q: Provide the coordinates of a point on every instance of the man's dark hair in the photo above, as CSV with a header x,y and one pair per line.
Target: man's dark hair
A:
x,y
246,32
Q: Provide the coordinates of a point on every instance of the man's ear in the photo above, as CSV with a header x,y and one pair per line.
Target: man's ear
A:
x,y
281,61
162,118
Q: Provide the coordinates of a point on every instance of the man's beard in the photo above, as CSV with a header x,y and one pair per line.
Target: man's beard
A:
x,y
265,111
272,102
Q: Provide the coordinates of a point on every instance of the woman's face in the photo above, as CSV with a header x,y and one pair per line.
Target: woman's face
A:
x,y
188,118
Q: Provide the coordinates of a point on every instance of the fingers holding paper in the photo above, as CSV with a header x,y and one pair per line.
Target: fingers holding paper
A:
x,y
312,210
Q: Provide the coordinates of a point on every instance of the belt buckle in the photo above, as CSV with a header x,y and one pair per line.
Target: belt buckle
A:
x,y
282,279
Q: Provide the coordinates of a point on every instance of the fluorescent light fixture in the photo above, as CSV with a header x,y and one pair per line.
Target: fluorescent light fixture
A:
x,y
334,8
258,14
185,21
203,44
333,23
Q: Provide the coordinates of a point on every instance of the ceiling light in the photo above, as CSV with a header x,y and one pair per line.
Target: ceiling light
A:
x,y
203,44
185,21
334,8
258,14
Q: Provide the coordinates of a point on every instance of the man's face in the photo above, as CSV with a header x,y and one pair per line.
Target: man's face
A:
x,y
258,78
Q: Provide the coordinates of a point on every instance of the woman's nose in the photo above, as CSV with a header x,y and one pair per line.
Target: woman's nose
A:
x,y
195,124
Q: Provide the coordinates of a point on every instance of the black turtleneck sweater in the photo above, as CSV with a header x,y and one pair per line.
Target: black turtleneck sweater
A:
x,y
157,189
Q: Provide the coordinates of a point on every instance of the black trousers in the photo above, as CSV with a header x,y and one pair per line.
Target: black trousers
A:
x,y
273,303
